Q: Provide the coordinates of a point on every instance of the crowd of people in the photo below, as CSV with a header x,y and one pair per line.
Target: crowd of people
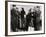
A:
x,y
21,21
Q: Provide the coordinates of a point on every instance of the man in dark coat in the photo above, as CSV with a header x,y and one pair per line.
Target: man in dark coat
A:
x,y
22,18
28,19
22,13
14,19
37,20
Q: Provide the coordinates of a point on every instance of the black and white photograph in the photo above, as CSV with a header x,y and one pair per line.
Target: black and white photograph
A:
x,y
25,18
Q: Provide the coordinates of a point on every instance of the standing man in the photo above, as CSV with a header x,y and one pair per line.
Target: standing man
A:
x,y
14,18
18,18
28,19
22,18
36,16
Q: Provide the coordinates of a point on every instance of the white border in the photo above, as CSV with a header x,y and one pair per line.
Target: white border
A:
x,y
32,32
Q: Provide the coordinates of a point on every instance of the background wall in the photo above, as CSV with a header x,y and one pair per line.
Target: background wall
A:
x,y
2,18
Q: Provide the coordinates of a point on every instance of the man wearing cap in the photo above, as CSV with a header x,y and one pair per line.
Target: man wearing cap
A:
x,y
14,18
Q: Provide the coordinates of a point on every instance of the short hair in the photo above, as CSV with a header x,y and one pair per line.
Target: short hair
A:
x,y
38,6
14,5
22,8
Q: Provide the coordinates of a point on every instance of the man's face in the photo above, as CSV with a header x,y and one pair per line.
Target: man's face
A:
x,y
37,9
16,9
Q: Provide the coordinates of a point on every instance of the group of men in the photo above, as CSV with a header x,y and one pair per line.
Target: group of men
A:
x,y
32,19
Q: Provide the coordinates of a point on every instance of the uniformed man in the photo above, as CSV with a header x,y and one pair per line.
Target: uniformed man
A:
x,y
14,18
37,18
